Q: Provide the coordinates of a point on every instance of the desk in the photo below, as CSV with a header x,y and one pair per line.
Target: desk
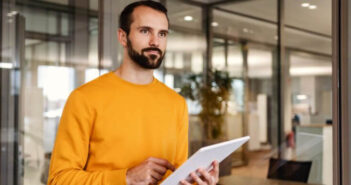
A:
x,y
315,143
239,180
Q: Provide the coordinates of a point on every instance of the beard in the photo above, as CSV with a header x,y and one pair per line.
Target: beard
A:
x,y
151,62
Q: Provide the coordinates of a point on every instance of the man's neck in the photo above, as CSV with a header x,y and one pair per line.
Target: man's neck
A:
x,y
133,73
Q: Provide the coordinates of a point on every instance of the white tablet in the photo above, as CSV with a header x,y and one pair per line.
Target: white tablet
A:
x,y
203,158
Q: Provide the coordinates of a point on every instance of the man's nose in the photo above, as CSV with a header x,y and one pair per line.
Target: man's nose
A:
x,y
154,40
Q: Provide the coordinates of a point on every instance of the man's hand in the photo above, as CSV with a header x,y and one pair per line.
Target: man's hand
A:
x,y
207,178
148,172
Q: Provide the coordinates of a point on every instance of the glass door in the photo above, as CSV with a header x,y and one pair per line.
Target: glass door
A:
x,y
48,49
11,79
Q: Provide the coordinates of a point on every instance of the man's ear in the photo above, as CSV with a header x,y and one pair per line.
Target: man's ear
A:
x,y
122,37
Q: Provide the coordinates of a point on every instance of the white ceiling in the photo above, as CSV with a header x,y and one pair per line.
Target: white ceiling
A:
x,y
177,11
265,9
317,20
238,26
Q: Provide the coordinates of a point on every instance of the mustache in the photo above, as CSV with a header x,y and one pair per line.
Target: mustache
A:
x,y
152,49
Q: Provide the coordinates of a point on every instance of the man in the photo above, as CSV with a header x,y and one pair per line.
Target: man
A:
x,y
126,127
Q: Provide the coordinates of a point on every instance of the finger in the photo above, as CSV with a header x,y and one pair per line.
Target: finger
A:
x,y
151,164
151,180
184,182
162,162
207,177
196,178
156,175
159,168
216,168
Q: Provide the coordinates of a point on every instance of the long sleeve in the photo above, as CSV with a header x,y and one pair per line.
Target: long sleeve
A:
x,y
71,150
182,140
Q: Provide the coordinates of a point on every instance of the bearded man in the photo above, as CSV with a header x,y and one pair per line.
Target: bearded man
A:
x,y
126,127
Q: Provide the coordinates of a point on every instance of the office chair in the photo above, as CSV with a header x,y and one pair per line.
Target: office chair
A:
x,y
289,170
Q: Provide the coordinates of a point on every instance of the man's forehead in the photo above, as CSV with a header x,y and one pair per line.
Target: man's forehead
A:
x,y
146,16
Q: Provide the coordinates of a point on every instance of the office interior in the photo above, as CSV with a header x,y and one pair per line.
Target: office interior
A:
x,y
51,47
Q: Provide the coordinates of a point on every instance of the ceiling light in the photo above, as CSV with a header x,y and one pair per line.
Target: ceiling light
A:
x,y
6,65
188,18
305,4
309,71
301,97
10,14
312,7
215,24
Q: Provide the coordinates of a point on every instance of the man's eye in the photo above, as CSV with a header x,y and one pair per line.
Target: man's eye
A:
x,y
144,31
163,34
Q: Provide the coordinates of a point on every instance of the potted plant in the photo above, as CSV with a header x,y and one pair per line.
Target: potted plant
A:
x,y
213,98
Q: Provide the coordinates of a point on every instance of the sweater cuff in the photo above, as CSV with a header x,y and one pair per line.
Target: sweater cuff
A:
x,y
117,177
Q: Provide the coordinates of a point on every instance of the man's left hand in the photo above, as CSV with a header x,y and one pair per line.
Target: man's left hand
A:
x,y
207,178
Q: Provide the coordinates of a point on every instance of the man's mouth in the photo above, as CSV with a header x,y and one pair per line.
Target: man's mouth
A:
x,y
153,52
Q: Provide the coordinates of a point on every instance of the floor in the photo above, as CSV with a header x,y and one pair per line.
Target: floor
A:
x,y
257,165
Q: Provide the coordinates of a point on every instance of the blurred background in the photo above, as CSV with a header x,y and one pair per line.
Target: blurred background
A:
x,y
271,82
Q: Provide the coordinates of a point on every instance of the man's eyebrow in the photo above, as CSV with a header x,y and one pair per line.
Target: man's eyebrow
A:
x,y
164,31
149,28
145,27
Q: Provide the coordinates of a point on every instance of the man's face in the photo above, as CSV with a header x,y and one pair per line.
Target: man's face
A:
x,y
147,39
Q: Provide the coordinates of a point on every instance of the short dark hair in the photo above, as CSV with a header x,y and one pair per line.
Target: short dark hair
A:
x,y
125,19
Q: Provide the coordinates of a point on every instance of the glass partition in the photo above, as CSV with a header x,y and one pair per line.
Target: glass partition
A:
x,y
61,51
250,34
63,41
308,51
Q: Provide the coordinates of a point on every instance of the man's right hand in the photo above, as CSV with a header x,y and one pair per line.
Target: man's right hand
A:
x,y
148,172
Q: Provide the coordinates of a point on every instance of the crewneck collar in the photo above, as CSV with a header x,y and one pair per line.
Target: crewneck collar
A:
x,y
121,80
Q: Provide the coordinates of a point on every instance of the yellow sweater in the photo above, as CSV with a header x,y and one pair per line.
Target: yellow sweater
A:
x,y
109,125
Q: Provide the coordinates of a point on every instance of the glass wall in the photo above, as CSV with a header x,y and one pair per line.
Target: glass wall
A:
x,y
235,43
308,51
254,30
306,97
184,64
60,55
